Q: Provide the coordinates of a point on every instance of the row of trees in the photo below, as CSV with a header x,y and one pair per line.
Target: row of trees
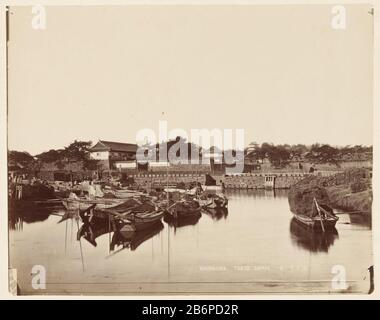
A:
x,y
74,152
281,155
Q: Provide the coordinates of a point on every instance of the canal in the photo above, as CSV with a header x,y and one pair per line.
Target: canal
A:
x,y
254,247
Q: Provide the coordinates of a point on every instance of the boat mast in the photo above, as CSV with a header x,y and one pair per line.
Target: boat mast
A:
x,y
319,213
167,184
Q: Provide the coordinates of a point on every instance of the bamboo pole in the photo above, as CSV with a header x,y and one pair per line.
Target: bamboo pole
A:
x,y
319,213
80,243
80,248
66,237
109,234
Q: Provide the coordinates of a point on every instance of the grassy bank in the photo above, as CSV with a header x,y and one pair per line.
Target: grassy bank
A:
x,y
350,191
343,198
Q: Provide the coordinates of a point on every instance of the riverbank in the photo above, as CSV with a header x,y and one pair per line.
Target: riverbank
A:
x,y
350,190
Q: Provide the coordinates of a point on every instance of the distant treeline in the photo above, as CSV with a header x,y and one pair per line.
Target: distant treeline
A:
x,y
281,155
278,155
76,151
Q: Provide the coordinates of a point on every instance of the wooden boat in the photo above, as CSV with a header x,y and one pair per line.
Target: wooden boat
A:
x,y
75,203
118,211
184,208
124,206
143,218
93,216
321,217
126,194
182,221
132,240
214,201
130,211
312,241
142,215
96,226
129,208
141,221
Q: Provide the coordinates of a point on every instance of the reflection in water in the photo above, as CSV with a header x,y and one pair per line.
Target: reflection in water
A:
x,y
126,239
361,220
132,240
183,221
311,240
257,194
16,218
217,213
69,215
91,231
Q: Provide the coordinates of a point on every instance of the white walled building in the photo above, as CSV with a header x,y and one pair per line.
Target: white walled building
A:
x,y
114,154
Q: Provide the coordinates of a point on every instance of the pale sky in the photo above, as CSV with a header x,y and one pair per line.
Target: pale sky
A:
x,y
281,73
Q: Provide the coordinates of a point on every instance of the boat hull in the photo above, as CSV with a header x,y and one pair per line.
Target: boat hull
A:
x,y
181,213
182,221
142,218
135,226
215,203
316,223
84,204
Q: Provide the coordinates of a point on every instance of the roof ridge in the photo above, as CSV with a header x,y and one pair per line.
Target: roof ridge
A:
x,y
107,141
114,146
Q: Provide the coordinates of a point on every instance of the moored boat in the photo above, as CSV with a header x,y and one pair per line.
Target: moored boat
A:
x,y
141,221
312,241
131,239
214,201
182,221
73,202
184,208
320,217
142,218
126,193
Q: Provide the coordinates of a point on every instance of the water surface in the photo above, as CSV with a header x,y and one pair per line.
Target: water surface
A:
x,y
255,247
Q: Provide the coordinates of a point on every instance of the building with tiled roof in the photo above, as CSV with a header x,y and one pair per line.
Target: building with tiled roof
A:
x,y
114,154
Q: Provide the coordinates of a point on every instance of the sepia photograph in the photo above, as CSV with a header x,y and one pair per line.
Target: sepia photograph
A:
x,y
170,150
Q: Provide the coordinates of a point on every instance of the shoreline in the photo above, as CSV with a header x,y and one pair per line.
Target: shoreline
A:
x,y
350,191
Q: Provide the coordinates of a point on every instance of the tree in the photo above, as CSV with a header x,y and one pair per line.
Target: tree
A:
x,y
279,156
77,150
265,150
22,158
50,156
324,154
90,164
298,150
254,152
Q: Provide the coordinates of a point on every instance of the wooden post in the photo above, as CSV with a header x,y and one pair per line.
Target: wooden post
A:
x,y
109,234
